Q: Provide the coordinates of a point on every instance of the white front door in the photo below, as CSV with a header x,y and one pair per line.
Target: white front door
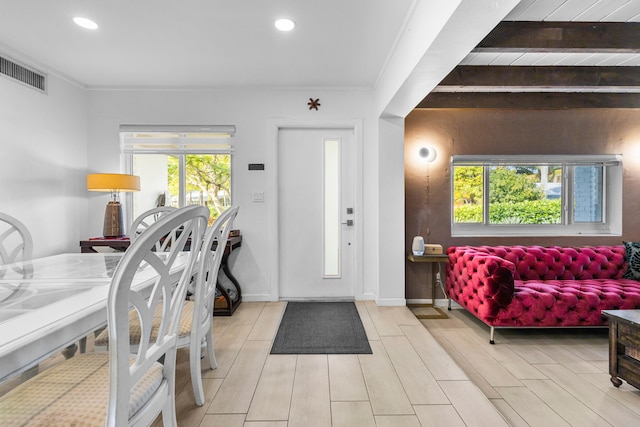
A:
x,y
315,213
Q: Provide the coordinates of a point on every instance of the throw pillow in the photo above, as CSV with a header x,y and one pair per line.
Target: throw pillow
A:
x,y
632,252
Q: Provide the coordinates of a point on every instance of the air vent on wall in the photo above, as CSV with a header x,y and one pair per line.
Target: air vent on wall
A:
x,y
23,74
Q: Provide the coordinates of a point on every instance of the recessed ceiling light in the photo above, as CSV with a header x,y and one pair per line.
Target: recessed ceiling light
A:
x,y
285,24
85,23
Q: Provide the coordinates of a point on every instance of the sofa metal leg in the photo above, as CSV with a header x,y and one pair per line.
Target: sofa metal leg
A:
x,y
449,305
491,341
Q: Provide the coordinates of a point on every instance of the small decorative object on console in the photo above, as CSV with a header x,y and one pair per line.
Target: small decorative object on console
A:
x,y
417,248
432,249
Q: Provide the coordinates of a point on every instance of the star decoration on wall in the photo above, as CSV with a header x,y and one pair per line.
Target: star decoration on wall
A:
x,y
313,103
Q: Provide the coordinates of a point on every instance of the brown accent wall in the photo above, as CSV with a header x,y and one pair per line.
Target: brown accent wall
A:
x,y
507,131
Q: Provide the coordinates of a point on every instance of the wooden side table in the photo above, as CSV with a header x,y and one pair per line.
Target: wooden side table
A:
x,y
624,346
225,305
436,280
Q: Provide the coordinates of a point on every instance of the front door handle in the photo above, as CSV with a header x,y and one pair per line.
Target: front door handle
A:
x,y
349,223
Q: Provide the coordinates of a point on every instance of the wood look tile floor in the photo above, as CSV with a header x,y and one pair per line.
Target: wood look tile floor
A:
x,y
409,380
432,372
540,377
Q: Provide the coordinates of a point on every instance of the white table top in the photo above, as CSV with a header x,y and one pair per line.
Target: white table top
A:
x,y
60,299
70,266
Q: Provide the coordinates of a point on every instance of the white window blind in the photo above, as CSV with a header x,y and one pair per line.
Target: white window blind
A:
x,y
149,139
571,160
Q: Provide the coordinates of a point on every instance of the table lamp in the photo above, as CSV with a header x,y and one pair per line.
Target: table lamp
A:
x,y
113,183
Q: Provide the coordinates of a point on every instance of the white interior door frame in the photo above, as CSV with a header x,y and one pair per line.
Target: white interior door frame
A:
x,y
272,190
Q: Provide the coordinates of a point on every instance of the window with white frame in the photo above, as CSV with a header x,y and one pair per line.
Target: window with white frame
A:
x,y
179,166
546,195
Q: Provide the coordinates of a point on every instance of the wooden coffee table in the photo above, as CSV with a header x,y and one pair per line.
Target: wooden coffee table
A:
x,y
624,346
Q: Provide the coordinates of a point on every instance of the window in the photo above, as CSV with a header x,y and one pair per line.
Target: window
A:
x,y
331,190
179,166
536,195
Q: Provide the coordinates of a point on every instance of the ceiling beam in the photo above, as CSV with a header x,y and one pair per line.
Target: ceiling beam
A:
x,y
553,87
483,78
530,100
528,36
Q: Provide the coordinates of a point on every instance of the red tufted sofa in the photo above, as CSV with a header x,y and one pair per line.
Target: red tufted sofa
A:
x,y
535,286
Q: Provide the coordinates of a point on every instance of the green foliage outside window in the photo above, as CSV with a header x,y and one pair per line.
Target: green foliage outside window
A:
x,y
208,181
467,181
506,185
514,197
532,212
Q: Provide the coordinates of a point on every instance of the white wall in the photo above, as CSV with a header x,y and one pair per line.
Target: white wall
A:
x,y
253,111
43,147
50,142
391,212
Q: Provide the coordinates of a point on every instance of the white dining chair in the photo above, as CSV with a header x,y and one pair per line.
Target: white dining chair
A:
x,y
201,329
198,311
146,218
117,388
16,243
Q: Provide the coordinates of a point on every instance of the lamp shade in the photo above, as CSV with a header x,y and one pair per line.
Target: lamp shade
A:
x,y
112,182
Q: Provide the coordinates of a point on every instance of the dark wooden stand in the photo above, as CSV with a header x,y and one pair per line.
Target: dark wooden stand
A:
x,y
224,306
624,346
230,305
435,260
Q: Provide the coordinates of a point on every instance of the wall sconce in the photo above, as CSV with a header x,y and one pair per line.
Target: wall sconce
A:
x,y
113,183
428,154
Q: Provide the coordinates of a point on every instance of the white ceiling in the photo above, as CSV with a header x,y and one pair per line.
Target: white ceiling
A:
x,y
208,43
576,10
203,43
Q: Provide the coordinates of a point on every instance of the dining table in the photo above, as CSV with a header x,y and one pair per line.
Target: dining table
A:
x,y
49,303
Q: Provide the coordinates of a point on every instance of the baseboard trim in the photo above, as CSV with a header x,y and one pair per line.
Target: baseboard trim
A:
x,y
257,297
391,302
368,296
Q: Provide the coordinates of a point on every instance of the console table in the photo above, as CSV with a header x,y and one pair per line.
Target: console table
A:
x,y
225,304
437,281
88,246
624,346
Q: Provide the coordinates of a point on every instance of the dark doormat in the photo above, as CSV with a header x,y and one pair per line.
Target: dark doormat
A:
x,y
321,328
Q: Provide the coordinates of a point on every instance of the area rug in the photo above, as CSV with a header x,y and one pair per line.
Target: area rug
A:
x,y
321,328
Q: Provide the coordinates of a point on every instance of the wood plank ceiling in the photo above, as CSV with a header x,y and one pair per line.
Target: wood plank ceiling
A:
x,y
590,59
